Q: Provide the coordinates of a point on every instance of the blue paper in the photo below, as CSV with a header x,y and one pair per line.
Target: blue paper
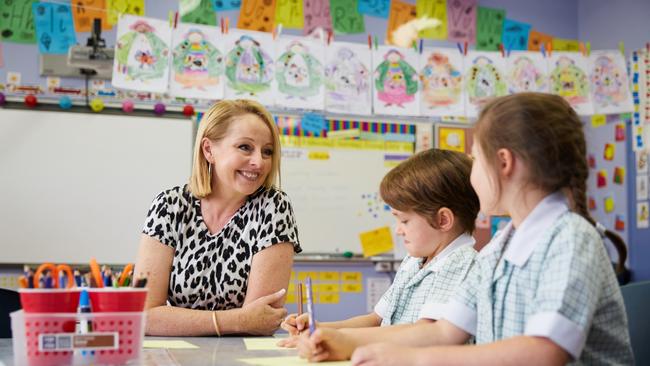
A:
x,y
313,122
515,35
54,27
221,5
375,8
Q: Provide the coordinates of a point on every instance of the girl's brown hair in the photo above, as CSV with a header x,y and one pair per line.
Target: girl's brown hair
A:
x,y
214,125
430,180
546,133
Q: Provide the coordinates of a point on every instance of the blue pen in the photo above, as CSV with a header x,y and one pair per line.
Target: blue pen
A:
x,y
310,307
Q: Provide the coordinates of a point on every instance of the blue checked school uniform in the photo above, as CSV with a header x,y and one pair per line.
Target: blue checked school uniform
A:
x,y
550,278
421,292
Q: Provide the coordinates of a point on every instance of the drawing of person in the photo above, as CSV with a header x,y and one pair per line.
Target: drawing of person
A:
x,y
441,81
525,76
298,73
346,77
484,81
395,80
608,81
141,54
569,81
249,67
197,62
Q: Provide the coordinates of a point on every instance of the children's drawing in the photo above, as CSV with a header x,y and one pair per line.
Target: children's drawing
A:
x,y
299,73
197,62
526,72
347,79
483,79
249,66
441,83
141,54
396,81
609,83
569,80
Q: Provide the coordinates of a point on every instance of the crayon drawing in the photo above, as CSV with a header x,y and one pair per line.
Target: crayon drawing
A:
x,y
249,66
526,72
442,82
299,73
347,79
142,54
396,81
569,80
609,83
484,80
197,62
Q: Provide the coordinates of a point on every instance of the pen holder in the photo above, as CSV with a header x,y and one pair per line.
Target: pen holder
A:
x,y
117,299
35,300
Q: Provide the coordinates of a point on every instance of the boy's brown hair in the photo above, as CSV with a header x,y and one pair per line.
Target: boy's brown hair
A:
x,y
431,180
546,133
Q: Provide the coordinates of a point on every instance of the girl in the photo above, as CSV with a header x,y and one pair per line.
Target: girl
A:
x,y
542,290
435,207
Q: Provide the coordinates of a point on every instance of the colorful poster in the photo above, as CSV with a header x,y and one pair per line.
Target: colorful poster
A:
x,y
317,15
526,72
435,9
197,62
461,21
249,65
17,21
142,54
568,79
442,81
568,45
489,27
54,28
537,39
375,8
223,5
610,87
299,73
484,79
347,78
450,138
346,18
116,8
395,81
642,215
85,11
515,35
197,12
257,15
400,13
289,13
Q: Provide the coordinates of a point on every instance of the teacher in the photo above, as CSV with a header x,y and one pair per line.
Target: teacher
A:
x,y
218,251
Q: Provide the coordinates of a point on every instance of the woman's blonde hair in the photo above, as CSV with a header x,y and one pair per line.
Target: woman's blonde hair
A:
x,y
214,126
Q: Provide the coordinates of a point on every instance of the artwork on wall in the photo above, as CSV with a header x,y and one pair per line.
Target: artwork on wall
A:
x,y
526,72
299,73
347,78
609,82
249,66
395,81
568,79
141,54
441,79
484,80
197,62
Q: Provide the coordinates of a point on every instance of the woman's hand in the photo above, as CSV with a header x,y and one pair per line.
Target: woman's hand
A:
x,y
385,354
326,344
260,318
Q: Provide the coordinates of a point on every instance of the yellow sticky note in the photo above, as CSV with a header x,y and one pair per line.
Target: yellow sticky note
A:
x,y
115,8
263,344
352,287
608,154
598,120
377,241
436,9
609,204
332,298
318,155
171,344
287,361
560,44
329,287
451,139
289,13
329,276
291,298
351,276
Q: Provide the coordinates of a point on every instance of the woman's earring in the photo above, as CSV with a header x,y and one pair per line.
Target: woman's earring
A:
x,y
210,170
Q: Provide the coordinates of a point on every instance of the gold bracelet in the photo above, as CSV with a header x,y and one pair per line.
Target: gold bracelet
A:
x,y
214,321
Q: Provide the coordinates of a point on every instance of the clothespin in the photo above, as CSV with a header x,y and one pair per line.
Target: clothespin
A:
x,y
465,50
370,42
227,25
588,48
171,19
175,20
421,43
221,23
509,50
415,45
581,47
376,43
460,48
503,53
330,34
550,49
647,46
621,47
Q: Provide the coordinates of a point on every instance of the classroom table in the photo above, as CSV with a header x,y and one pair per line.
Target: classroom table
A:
x,y
222,351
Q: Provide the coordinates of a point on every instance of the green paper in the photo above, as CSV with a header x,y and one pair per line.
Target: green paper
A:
x,y
201,14
346,18
489,27
17,21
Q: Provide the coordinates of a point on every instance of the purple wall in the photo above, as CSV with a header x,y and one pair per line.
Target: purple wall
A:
x,y
605,23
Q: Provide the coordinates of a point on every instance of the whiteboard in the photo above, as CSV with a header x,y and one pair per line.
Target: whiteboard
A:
x,y
77,185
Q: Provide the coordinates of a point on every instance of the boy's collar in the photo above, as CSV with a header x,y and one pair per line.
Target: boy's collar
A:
x,y
462,240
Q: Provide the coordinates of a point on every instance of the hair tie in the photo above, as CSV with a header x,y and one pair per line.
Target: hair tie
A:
x,y
601,229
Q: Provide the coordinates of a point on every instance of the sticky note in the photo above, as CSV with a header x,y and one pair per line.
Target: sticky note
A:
x,y
619,224
598,120
609,204
591,203
570,45
601,178
377,241
263,344
329,276
171,344
332,298
291,298
115,8
329,287
609,151
318,155
620,132
351,276
591,160
313,122
302,276
352,287
619,175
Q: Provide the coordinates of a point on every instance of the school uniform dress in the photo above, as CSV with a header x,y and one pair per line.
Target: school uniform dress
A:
x,y
551,278
210,271
419,292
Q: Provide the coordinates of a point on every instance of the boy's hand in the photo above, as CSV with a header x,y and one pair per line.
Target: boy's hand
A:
x,y
326,344
295,324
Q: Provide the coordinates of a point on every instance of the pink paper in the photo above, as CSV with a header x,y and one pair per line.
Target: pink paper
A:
x,y
317,14
461,20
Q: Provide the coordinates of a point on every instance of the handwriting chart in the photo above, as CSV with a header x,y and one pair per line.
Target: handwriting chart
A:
x,y
346,17
400,13
375,8
16,21
289,13
436,9
489,24
515,35
54,27
461,20
222,5
317,14
257,15
85,11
